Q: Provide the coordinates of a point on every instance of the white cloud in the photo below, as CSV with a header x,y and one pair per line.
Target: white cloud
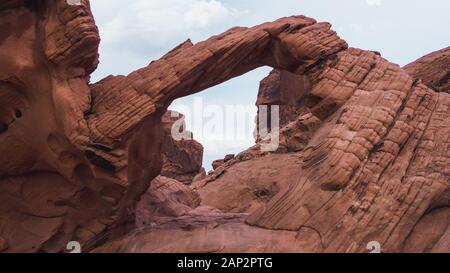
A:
x,y
135,32
374,2
153,24
200,14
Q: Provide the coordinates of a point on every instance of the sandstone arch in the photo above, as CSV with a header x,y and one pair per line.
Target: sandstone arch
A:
x,y
372,175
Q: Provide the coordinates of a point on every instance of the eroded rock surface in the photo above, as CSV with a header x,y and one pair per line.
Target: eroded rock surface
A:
x,y
247,185
165,197
365,144
433,69
182,158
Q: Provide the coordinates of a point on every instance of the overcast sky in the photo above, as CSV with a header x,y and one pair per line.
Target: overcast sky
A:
x,y
135,32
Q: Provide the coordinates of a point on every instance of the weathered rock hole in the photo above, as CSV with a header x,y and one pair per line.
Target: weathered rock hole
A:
x,y
263,193
332,186
18,114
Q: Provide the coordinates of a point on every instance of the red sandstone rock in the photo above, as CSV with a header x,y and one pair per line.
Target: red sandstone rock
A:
x,y
165,197
182,159
287,90
214,232
363,154
217,163
247,185
433,69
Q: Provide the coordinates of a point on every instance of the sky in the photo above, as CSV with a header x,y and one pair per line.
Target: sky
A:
x,y
135,32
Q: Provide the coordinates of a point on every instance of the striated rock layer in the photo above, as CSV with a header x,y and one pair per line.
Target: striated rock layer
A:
x,y
433,69
365,145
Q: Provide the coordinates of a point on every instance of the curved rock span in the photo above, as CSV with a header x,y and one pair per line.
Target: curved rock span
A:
x,y
364,154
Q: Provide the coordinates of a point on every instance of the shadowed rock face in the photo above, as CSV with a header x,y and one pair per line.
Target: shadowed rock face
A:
x,y
182,158
433,69
288,90
365,143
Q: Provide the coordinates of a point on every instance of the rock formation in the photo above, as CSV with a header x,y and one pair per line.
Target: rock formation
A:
x,y
285,89
165,198
183,158
433,69
364,152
